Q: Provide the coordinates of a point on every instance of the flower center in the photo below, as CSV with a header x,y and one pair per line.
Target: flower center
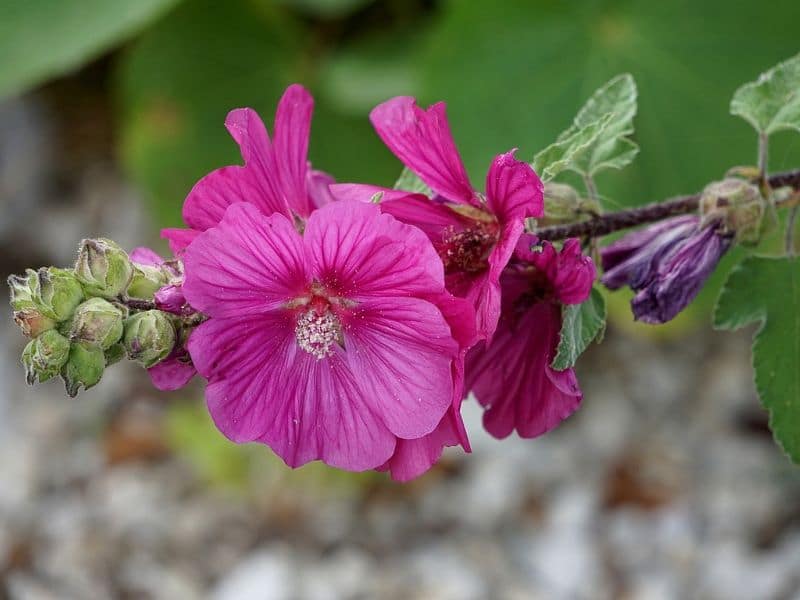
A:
x,y
318,331
467,249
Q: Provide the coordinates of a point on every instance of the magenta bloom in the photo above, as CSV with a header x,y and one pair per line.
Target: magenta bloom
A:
x,y
276,176
666,264
340,344
177,369
511,376
474,234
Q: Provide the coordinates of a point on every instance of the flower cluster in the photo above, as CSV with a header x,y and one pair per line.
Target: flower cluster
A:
x,y
346,322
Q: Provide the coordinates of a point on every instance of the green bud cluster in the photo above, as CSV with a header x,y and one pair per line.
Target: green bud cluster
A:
x,y
78,321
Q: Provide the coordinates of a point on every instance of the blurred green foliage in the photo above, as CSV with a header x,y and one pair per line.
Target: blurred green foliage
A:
x,y
43,38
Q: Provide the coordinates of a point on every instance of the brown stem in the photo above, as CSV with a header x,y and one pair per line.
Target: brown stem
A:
x,y
624,219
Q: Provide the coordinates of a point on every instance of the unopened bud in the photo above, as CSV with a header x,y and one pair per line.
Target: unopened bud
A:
x,y
44,356
97,321
83,368
103,268
145,282
21,288
149,337
56,293
563,204
738,204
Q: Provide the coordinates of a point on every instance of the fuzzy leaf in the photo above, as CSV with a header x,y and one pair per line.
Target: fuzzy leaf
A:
x,y
611,149
568,148
581,324
410,182
766,290
772,102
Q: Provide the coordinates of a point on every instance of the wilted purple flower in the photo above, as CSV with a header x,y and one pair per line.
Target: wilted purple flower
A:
x,y
666,264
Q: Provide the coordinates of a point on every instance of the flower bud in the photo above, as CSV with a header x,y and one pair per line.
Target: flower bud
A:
x,y
145,282
149,337
44,356
21,290
103,268
56,293
32,322
742,210
170,298
83,368
98,322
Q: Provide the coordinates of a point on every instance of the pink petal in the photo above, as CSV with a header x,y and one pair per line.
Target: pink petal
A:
x,y
513,190
249,263
483,290
145,256
357,251
570,273
363,192
512,378
171,298
412,458
318,184
292,130
389,343
171,374
258,182
179,239
421,139
265,388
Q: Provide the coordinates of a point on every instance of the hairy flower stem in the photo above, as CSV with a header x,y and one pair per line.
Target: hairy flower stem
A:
x,y
134,304
680,205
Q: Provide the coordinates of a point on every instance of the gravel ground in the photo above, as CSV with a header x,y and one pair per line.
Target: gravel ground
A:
x,y
666,483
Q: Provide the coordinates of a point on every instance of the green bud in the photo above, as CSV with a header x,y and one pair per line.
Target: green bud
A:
x,y
21,287
561,202
83,368
149,337
97,321
741,212
146,281
114,354
32,322
44,356
56,293
103,268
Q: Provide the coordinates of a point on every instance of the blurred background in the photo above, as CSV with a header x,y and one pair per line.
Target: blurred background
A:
x,y
666,484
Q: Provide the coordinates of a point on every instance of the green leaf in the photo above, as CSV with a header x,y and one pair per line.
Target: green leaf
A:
x,y
531,65
772,102
766,290
561,154
581,324
610,149
40,39
410,182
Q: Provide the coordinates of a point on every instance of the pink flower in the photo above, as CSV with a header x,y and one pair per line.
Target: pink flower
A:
x,y
177,369
474,234
511,376
339,344
276,176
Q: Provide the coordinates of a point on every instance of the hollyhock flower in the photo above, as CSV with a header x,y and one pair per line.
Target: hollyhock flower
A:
x,y
177,369
336,344
276,176
511,376
474,234
666,264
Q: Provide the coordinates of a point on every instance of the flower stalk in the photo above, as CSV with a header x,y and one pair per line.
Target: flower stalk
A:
x,y
680,205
